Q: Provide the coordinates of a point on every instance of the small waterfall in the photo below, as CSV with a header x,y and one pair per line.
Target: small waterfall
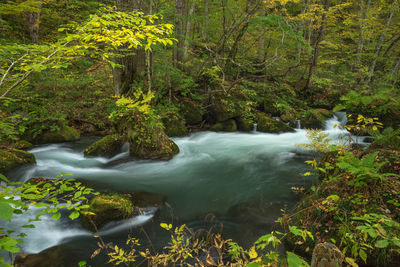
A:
x,y
255,127
298,124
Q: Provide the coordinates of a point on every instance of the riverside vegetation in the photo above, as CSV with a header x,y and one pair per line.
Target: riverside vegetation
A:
x,y
143,71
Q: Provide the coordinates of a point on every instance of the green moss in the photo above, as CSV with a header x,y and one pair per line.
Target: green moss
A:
x,y
65,134
108,146
269,125
107,208
12,158
314,118
223,110
22,145
244,125
225,126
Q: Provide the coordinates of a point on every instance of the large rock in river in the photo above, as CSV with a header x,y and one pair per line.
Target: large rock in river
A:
x,y
108,207
11,158
108,146
315,118
225,126
267,124
64,134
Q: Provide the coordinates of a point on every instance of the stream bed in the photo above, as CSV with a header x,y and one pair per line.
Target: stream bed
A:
x,y
237,181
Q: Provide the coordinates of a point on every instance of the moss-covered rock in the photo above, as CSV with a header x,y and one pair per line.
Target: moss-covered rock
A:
x,y
174,125
107,208
12,158
222,110
146,137
22,145
267,124
315,118
65,134
244,125
225,126
57,256
192,112
108,146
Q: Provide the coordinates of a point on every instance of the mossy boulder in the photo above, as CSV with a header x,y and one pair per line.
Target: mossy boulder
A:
x,y
11,158
244,125
146,137
192,112
108,146
267,124
64,134
106,208
222,110
315,118
57,256
174,125
225,126
22,145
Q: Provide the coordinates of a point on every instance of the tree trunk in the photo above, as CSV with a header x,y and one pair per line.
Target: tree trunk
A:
x,y
378,48
33,19
187,31
319,39
178,53
133,65
361,38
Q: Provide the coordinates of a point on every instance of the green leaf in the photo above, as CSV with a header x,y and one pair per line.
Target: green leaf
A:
x,y
295,261
56,216
383,243
363,255
74,215
6,211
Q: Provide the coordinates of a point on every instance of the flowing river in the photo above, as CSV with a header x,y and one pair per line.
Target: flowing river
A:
x,y
241,180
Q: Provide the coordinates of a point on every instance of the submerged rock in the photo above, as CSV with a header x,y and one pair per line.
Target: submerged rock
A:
x,y
108,146
267,124
52,257
315,118
12,158
65,134
225,126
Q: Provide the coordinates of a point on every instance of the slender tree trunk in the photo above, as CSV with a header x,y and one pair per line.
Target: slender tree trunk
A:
x,y
207,22
178,53
363,17
319,39
261,39
378,48
33,19
187,31
148,55
395,72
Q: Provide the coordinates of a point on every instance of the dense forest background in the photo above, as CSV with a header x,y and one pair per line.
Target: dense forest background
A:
x,y
143,70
